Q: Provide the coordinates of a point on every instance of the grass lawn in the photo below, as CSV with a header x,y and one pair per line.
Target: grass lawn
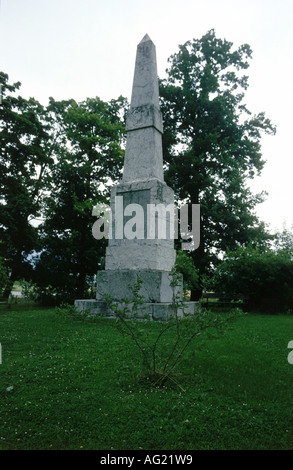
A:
x,y
74,384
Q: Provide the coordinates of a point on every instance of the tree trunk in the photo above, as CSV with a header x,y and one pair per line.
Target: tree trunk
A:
x,y
195,295
8,287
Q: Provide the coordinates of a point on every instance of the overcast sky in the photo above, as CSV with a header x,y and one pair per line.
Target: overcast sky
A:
x,y
86,48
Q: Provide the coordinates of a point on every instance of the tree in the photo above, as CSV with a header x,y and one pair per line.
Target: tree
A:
x,y
185,266
283,242
3,275
263,277
25,155
212,144
89,158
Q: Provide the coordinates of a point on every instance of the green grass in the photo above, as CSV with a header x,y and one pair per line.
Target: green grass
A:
x,y
77,385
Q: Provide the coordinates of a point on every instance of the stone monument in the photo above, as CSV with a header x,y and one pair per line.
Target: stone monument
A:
x,y
145,252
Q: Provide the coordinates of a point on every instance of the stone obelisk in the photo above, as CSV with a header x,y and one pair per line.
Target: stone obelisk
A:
x,y
144,253
143,180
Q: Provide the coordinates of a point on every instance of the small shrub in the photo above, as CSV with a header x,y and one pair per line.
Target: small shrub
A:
x,y
160,359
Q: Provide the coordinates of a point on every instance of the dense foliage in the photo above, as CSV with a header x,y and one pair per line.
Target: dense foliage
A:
x,y
25,156
212,143
56,163
263,278
90,158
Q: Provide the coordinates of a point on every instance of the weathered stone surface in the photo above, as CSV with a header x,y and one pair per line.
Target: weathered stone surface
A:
x,y
155,285
148,252
139,257
150,311
144,116
92,307
143,154
145,89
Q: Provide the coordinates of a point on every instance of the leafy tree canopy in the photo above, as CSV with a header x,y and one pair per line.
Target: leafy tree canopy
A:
x,y
90,157
263,277
212,142
25,155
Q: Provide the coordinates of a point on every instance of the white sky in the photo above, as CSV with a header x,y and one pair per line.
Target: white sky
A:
x,y
86,48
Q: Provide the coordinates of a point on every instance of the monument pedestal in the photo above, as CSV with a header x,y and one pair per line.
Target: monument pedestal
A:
x,y
150,311
155,286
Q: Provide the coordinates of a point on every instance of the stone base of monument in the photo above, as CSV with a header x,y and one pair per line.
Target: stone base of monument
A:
x,y
155,285
155,289
149,311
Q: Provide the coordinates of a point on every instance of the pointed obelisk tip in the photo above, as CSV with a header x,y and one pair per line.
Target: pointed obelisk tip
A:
x,y
145,38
